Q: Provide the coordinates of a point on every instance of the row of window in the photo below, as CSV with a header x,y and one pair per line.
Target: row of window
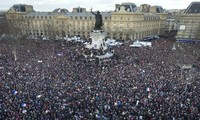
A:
x,y
113,34
86,17
145,18
77,24
38,17
151,18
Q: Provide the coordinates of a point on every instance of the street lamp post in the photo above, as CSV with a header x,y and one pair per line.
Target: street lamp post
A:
x,y
181,73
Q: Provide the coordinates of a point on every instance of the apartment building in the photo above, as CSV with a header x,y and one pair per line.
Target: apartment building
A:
x,y
125,22
189,23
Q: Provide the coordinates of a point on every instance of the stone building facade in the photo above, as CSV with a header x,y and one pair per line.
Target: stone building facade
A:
x,y
123,23
189,23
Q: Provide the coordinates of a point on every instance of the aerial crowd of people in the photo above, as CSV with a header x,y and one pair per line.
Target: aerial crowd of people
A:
x,y
50,80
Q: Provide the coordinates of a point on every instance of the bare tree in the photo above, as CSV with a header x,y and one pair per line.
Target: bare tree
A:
x,y
129,33
28,26
51,31
62,32
15,31
3,24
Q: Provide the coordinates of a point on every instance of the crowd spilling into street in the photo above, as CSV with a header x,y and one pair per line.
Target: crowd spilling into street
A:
x,y
50,80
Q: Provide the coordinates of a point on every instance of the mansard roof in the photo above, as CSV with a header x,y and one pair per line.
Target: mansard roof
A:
x,y
194,8
129,7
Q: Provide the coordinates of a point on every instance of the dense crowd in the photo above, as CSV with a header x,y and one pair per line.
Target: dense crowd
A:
x,y
50,80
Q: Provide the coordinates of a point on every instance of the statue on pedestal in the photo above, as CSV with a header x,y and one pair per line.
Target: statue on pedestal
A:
x,y
98,20
97,47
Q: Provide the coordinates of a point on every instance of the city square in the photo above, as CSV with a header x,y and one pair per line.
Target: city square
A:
x,y
100,73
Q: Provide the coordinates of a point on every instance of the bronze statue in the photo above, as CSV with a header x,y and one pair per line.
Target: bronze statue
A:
x,y
99,21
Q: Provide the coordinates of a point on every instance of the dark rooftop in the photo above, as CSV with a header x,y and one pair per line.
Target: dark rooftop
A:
x,y
194,7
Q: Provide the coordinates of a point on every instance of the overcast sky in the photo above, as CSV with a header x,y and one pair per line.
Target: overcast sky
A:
x,y
102,5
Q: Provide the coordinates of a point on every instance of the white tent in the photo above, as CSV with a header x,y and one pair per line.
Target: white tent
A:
x,y
107,55
137,45
140,44
186,67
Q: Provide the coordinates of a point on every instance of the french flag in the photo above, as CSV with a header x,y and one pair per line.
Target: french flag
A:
x,y
148,89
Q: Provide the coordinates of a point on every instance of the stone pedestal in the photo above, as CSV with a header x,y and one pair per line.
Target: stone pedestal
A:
x,y
98,39
98,47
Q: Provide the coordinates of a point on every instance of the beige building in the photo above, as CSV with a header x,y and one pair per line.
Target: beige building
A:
x,y
123,23
3,23
189,23
136,25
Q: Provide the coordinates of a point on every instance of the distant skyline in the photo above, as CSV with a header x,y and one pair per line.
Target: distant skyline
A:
x,y
101,5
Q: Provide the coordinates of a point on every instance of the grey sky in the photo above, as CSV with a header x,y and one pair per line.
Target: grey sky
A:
x,y
102,5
